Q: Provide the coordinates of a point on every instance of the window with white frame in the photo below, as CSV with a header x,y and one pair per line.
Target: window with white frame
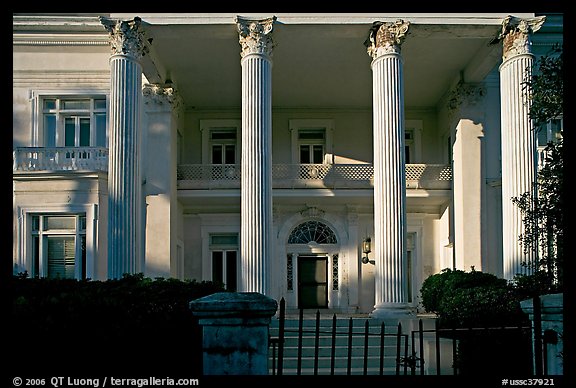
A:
x,y
408,145
312,141
223,145
224,256
311,145
221,140
551,132
58,246
412,141
73,121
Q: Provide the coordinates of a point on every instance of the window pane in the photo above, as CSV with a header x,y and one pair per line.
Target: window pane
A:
x,y
217,266
50,130
304,154
35,256
409,275
100,104
556,125
61,257
231,270
84,132
224,134
82,223
216,154
100,127
230,156
35,223
311,134
59,222
83,257
228,239
318,151
49,104
407,156
542,136
69,132
76,104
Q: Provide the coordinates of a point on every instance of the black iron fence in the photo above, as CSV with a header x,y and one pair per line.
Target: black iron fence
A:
x,y
370,348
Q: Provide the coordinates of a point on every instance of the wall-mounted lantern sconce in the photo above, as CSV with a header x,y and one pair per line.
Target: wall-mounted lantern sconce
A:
x,y
367,248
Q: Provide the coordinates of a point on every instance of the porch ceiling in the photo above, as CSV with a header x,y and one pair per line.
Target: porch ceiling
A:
x,y
318,65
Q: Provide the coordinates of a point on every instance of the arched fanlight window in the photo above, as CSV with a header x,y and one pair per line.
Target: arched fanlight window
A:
x,y
312,231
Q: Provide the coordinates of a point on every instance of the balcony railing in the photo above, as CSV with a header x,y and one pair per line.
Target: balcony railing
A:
x,y
210,176
60,159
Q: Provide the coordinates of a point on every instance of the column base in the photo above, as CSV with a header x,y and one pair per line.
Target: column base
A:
x,y
392,311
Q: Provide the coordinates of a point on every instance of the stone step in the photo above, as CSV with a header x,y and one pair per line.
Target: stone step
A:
x,y
326,341
341,371
291,333
340,351
410,324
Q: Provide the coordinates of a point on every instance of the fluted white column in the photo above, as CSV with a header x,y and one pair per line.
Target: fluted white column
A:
x,y
389,169
256,180
124,183
518,139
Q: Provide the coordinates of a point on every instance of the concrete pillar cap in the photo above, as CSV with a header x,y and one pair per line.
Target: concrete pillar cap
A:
x,y
233,304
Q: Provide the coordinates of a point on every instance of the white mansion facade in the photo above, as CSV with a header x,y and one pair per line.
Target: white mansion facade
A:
x,y
335,160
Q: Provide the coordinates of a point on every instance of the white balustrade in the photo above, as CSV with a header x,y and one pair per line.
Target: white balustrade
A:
x,y
60,159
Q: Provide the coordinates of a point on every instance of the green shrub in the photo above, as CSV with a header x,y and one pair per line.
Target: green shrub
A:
x,y
475,298
464,300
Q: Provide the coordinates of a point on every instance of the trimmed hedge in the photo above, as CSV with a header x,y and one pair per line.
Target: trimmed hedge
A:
x,y
480,300
66,324
471,299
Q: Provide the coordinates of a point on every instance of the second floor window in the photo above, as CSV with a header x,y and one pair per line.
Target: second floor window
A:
x,y
311,143
223,145
74,122
550,133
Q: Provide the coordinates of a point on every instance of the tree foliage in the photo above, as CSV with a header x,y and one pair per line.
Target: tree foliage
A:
x,y
543,208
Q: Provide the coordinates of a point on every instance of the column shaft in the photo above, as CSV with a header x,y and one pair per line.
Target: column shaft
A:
x,y
518,160
124,179
389,182
124,187
256,197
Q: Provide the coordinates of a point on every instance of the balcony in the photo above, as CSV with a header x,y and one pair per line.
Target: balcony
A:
x,y
299,176
60,159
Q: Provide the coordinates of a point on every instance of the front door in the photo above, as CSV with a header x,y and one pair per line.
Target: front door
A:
x,y
312,281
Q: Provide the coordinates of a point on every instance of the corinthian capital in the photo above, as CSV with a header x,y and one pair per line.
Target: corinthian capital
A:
x,y
255,35
515,34
161,94
126,37
386,37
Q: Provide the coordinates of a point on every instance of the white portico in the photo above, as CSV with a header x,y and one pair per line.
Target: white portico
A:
x,y
264,151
